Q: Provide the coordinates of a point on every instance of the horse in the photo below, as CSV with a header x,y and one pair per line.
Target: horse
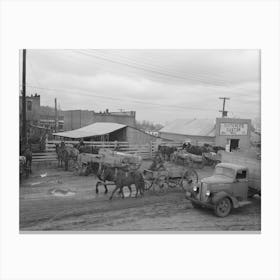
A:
x,y
121,178
59,150
27,153
22,161
65,154
166,151
195,150
69,153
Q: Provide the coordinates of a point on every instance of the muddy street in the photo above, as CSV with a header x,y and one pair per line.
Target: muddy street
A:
x,y
52,199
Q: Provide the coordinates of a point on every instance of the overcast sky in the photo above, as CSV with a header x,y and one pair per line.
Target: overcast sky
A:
x,y
160,85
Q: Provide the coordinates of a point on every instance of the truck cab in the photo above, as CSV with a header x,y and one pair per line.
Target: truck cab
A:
x,y
227,188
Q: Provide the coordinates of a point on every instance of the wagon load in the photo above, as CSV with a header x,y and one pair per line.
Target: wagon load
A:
x,y
88,162
212,158
119,159
189,159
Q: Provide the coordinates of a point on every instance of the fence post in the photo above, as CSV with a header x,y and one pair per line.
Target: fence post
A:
x,y
151,149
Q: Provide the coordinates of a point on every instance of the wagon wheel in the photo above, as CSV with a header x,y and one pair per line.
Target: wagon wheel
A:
x,y
189,178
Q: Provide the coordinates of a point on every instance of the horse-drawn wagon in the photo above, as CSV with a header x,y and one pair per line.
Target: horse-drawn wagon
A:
x,y
111,158
170,176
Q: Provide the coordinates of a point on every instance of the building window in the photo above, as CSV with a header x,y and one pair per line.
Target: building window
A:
x,y
29,105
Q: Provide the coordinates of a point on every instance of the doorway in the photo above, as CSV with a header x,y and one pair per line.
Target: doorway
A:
x,y
234,144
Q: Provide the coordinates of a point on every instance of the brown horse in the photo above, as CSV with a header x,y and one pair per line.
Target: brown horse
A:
x,y
166,151
27,153
121,179
58,150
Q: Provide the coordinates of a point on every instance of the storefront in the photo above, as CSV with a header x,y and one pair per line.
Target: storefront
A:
x,y
234,134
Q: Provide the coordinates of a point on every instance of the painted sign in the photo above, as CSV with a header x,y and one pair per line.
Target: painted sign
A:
x,y
233,129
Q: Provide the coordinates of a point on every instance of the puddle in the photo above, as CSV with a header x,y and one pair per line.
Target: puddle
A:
x,y
61,192
35,183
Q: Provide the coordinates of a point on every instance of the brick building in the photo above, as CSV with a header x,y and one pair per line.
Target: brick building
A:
x,y
74,119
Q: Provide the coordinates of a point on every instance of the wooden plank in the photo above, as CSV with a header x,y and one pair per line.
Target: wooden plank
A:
x,y
44,158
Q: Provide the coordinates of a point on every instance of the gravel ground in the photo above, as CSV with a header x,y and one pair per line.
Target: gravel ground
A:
x,y
64,201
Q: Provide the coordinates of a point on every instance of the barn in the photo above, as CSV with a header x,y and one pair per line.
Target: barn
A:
x,y
196,131
107,131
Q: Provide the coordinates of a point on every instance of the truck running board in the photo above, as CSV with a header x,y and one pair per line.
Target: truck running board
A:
x,y
243,203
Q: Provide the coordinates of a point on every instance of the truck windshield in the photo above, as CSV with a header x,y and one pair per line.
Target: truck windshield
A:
x,y
225,172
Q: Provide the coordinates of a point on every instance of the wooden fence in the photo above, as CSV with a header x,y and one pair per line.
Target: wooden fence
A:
x,y
146,151
49,155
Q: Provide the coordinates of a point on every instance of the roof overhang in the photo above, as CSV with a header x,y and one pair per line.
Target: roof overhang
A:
x,y
95,129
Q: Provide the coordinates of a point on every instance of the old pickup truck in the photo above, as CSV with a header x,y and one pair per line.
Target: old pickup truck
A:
x,y
229,187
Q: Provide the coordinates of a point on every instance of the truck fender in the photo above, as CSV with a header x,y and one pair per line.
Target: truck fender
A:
x,y
223,194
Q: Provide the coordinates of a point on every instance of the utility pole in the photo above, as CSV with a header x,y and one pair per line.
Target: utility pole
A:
x,y
224,113
55,111
23,132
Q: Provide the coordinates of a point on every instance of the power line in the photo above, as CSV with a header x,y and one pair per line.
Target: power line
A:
x,y
119,99
93,95
139,67
196,77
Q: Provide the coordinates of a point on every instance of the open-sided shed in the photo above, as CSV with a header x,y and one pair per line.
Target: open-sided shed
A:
x,y
105,131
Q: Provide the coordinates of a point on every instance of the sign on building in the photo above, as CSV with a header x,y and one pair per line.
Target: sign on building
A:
x,y
230,129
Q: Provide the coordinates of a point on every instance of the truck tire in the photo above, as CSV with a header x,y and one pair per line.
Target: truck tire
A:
x,y
223,207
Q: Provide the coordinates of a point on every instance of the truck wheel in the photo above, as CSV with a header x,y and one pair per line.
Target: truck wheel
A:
x,y
223,207
195,205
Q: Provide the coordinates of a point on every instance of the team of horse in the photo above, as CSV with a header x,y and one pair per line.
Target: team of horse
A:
x,y
166,151
107,175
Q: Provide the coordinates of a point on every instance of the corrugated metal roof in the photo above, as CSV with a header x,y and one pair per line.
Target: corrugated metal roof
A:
x,y
95,129
194,127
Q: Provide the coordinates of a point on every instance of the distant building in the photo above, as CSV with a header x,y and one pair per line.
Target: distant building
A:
x,y
37,115
32,108
230,132
74,119
196,131
47,118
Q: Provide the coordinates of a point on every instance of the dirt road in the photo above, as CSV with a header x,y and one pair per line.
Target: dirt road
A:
x,y
63,201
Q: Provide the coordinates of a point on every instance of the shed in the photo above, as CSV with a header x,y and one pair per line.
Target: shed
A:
x,y
106,131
